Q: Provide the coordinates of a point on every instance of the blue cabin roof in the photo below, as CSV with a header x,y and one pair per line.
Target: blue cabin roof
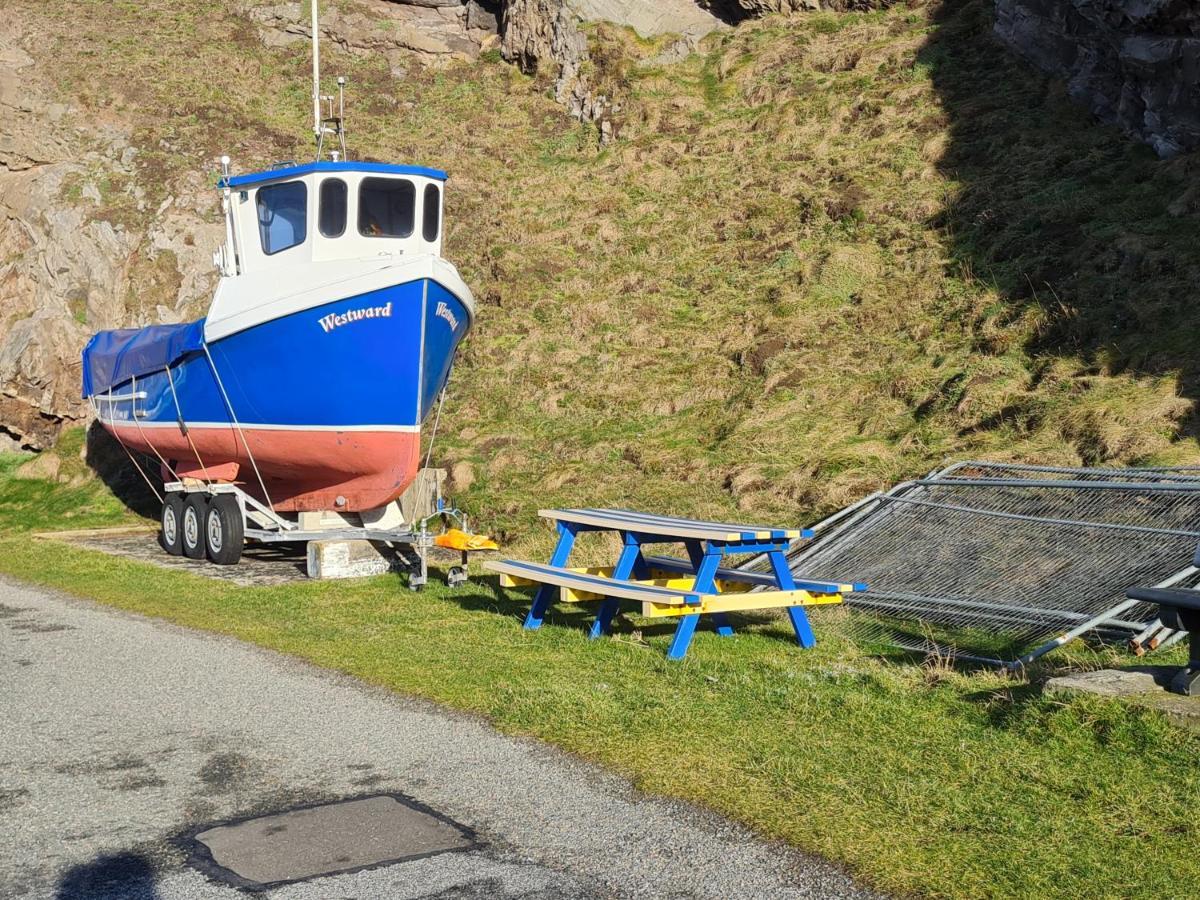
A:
x,y
308,168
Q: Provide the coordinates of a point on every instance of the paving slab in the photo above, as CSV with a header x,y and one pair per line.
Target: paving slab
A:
x,y
261,564
1146,686
327,838
124,738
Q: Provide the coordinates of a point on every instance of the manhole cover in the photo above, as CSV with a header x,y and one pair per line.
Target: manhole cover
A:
x,y
325,839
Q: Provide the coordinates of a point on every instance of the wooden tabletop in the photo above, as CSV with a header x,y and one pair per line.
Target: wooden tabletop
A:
x,y
670,526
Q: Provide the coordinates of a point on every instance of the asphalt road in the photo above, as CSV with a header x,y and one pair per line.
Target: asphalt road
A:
x,y
120,736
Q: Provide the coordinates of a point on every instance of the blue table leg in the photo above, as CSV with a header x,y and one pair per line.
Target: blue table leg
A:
x,y
696,554
705,579
724,629
783,577
631,555
562,552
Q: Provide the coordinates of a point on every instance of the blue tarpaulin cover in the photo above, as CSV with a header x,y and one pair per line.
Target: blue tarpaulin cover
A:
x,y
113,357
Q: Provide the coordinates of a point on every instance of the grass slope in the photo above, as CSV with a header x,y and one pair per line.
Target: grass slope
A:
x,y
827,251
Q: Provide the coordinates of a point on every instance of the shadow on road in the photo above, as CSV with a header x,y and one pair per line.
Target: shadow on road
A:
x,y
120,876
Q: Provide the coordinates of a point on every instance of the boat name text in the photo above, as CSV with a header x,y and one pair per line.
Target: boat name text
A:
x,y
443,311
336,320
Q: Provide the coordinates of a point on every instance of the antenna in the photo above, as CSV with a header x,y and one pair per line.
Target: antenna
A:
x,y
333,122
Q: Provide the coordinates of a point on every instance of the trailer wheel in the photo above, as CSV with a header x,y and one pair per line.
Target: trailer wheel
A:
x,y
170,532
224,530
192,532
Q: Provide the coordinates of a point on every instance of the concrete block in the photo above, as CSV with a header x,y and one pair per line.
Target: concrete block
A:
x,y
420,499
1145,686
349,559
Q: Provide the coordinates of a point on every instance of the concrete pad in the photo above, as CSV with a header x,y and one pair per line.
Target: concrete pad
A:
x,y
262,564
350,559
327,839
1146,686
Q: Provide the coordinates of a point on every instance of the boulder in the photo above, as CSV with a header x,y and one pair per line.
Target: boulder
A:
x,y
1134,63
540,35
735,10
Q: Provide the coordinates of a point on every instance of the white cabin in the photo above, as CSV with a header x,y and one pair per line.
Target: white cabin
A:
x,y
295,230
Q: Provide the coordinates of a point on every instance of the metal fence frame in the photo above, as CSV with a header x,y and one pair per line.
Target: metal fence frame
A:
x,y
1141,630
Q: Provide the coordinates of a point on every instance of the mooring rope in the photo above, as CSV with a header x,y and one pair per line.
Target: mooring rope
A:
x,y
136,465
238,426
437,418
187,433
142,434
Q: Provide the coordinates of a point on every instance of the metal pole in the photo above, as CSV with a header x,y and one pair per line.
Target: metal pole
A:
x,y
316,66
1013,611
1071,635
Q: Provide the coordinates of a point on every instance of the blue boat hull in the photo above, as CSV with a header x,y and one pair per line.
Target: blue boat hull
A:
x,y
326,404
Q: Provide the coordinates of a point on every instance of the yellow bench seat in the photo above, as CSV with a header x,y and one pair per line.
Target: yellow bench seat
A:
x,y
664,594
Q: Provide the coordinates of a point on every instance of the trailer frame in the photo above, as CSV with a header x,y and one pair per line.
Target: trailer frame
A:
x,y
264,525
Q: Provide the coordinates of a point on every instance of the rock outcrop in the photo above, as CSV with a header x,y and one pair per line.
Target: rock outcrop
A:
x,y
1135,63
57,269
435,31
536,34
734,10
66,259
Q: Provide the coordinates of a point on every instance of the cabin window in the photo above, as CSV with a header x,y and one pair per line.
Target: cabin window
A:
x,y
430,213
332,219
386,207
282,216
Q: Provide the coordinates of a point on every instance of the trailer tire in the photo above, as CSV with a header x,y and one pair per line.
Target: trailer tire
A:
x,y
170,531
224,530
192,526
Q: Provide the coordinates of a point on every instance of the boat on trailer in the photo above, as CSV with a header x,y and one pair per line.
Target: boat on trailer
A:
x,y
327,344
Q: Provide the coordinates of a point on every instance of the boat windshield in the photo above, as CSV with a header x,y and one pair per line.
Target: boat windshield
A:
x,y
386,207
282,216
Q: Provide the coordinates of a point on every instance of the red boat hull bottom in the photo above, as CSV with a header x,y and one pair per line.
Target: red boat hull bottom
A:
x,y
304,470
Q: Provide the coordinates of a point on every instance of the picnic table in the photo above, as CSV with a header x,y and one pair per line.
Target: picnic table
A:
x,y
672,586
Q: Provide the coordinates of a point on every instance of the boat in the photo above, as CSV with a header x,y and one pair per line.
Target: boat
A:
x,y
328,342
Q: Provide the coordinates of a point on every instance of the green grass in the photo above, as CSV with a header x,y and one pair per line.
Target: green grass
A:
x,y
920,779
74,499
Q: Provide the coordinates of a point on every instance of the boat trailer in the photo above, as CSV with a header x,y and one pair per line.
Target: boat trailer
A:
x,y
215,521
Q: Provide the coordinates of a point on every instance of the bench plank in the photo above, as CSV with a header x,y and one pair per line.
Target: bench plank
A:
x,y
669,526
683,566
584,583
740,602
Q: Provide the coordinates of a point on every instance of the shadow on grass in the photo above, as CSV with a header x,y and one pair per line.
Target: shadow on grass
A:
x,y
1067,216
113,466
515,602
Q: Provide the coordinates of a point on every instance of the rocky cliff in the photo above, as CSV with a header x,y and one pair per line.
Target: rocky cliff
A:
x,y
80,246
1134,63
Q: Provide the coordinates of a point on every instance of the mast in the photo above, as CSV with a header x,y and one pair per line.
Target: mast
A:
x,y
316,65
334,122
